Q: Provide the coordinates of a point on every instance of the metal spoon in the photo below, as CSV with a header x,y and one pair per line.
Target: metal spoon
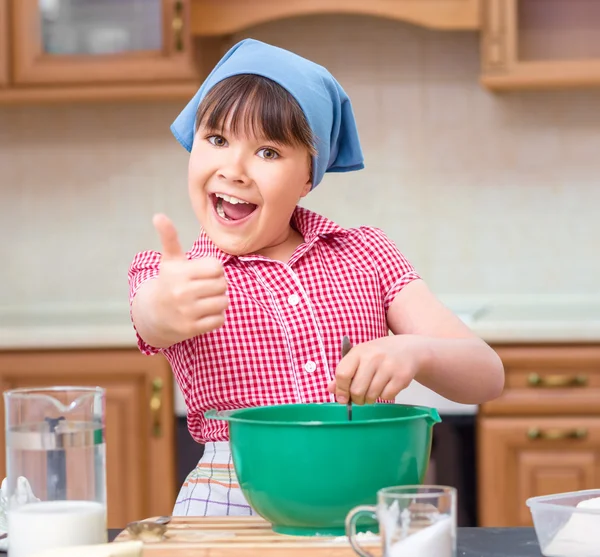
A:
x,y
149,530
346,347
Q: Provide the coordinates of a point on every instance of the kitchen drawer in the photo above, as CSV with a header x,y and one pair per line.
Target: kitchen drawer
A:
x,y
548,380
520,458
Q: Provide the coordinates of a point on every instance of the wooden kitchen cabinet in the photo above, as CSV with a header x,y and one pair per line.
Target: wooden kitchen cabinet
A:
x,y
526,457
69,41
3,43
214,17
528,44
73,50
542,436
139,420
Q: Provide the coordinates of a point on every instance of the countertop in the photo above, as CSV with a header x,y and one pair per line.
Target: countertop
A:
x,y
66,326
503,319
500,319
530,319
497,542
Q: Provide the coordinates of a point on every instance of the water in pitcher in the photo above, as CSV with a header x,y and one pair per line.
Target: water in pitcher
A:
x,y
56,466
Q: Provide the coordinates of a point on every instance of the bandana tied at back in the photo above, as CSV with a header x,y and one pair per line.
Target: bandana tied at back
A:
x,y
325,104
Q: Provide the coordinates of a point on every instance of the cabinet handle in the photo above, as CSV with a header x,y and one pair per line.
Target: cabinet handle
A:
x,y
156,406
177,25
556,381
557,434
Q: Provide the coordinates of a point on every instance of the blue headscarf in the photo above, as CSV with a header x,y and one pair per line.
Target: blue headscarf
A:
x,y
325,104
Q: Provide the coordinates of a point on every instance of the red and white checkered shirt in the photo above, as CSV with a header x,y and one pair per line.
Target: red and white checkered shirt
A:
x,y
283,331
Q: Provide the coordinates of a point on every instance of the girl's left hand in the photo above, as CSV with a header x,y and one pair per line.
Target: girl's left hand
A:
x,y
380,368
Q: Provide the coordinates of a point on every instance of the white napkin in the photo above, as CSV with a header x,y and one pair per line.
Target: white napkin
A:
x,y
24,494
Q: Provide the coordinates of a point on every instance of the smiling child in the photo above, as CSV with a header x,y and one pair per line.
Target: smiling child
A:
x,y
254,313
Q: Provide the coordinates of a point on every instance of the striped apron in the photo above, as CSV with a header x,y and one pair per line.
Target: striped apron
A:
x,y
212,488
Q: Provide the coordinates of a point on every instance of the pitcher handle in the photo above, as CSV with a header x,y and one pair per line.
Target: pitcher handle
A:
x,y
351,519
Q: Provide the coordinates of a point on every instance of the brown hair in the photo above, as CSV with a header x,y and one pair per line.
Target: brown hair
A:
x,y
257,106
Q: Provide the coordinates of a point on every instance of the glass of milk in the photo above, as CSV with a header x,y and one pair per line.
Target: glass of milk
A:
x,y
56,468
414,521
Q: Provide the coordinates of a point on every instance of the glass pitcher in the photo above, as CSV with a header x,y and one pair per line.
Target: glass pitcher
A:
x,y
56,468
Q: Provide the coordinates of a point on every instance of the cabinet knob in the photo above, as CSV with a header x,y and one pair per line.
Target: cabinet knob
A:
x,y
156,406
557,434
556,381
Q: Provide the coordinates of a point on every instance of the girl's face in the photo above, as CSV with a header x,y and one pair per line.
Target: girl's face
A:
x,y
244,189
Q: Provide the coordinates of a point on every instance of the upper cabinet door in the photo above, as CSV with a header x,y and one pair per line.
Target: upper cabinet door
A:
x,y
3,42
540,43
101,41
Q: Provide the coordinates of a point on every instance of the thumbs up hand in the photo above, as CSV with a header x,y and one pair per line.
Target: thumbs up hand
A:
x,y
189,296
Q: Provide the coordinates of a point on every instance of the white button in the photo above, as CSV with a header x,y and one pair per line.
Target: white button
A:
x,y
310,366
293,300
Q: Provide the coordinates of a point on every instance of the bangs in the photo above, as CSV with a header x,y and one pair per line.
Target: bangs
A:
x,y
255,106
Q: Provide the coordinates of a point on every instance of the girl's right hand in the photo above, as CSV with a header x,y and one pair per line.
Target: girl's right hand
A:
x,y
190,296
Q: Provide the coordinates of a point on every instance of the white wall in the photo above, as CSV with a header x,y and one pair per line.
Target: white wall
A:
x,y
486,194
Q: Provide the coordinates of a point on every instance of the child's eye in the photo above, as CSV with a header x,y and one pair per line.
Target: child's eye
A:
x,y
217,140
269,154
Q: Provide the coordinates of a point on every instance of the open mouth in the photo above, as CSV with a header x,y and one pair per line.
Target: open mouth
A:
x,y
232,208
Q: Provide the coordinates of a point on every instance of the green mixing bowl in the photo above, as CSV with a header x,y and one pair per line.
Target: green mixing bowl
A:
x,y
302,467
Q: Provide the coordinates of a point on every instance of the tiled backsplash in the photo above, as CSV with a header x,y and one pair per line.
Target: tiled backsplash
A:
x,y
486,194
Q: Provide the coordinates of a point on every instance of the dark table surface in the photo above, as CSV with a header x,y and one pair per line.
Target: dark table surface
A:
x,y
481,542
497,542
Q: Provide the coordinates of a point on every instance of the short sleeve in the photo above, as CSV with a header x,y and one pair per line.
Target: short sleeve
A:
x,y
145,266
395,271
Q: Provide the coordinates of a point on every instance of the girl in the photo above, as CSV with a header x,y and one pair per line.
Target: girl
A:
x,y
255,312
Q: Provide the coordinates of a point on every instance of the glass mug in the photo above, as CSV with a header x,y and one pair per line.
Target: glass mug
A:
x,y
414,521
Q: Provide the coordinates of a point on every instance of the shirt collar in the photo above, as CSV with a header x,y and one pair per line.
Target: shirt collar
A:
x,y
311,225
